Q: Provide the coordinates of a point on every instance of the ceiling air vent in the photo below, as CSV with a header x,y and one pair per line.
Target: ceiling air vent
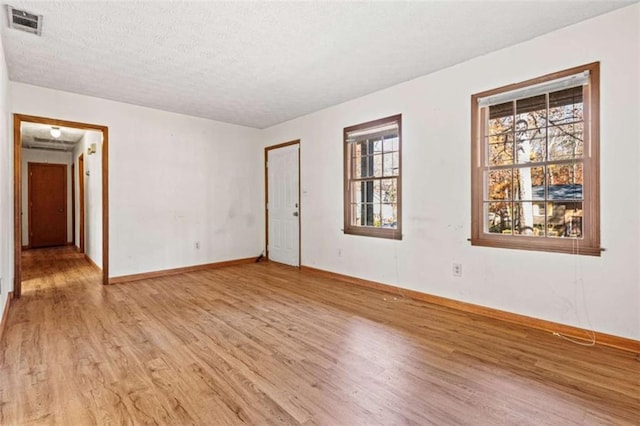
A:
x,y
24,21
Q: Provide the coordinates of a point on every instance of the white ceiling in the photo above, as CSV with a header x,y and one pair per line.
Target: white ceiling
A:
x,y
38,136
261,63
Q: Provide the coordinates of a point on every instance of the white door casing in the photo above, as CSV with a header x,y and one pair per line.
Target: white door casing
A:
x,y
283,205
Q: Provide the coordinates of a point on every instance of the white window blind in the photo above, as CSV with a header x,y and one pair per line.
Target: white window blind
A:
x,y
387,130
538,89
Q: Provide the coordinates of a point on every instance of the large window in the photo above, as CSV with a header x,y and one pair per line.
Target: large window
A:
x,y
372,157
535,159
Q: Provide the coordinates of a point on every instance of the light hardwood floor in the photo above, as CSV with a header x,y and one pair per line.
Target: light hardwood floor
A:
x,y
268,344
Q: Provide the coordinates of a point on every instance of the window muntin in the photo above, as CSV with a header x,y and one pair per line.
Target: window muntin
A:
x,y
537,165
372,178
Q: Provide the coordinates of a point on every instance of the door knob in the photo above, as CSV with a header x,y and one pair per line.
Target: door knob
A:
x,y
295,213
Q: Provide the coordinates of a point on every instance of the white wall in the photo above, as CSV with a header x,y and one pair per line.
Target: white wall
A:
x,y
6,187
92,195
602,292
173,180
40,156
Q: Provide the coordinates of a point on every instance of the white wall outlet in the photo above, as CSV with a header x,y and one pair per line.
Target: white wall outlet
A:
x,y
457,269
197,244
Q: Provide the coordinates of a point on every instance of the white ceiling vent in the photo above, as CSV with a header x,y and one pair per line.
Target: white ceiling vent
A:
x,y
24,21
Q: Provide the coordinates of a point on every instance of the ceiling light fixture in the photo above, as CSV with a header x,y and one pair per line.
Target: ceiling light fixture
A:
x,y
56,132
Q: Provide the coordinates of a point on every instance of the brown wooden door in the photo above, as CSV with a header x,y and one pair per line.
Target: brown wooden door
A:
x,y
47,204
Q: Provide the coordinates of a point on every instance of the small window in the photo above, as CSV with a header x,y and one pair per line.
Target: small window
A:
x,y
372,175
535,164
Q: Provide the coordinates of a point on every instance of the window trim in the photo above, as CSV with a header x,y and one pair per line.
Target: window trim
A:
x,y
590,243
395,234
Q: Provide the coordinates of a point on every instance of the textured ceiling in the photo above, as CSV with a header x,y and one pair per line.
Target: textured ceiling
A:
x,y
261,63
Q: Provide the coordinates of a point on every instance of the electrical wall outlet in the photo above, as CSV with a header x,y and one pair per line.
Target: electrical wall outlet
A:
x,y
457,269
197,245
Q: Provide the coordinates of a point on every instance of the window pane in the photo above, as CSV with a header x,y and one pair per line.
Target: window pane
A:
x,y
356,168
528,183
564,181
538,146
566,106
377,145
390,164
356,217
530,129
500,118
499,185
564,220
366,166
389,190
370,191
356,150
498,217
389,215
532,110
539,213
361,149
573,222
500,149
377,165
523,217
365,214
377,222
566,141
363,163
363,191
396,163
387,165
376,191
390,144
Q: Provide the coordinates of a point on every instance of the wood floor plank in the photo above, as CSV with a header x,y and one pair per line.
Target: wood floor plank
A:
x,y
269,344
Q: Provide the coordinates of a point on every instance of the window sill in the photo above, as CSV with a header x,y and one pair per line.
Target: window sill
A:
x,y
569,246
392,234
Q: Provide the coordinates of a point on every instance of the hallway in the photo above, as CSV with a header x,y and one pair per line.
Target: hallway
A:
x,y
55,267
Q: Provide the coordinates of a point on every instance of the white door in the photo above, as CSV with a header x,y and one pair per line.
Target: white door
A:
x,y
283,205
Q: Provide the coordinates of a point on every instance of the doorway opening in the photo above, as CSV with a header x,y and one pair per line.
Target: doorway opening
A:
x,y
45,151
282,203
